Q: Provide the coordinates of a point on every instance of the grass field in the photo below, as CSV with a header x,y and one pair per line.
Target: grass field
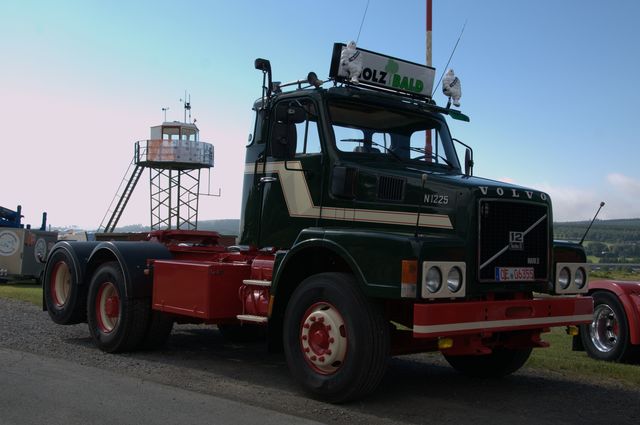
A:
x,y
561,359
558,358
30,292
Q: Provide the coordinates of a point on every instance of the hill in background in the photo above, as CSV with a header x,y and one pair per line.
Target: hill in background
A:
x,y
608,241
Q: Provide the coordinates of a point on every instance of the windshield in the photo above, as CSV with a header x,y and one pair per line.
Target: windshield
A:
x,y
402,134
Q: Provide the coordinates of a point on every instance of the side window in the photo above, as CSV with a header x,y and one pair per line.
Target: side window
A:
x,y
256,136
418,145
307,131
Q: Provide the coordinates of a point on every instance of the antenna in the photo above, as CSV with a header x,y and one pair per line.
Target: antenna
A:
x,y
165,109
594,219
364,15
187,106
420,201
449,61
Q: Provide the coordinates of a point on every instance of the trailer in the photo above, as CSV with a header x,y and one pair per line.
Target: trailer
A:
x,y
364,234
23,251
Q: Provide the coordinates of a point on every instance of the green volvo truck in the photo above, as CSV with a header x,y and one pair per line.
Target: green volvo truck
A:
x,y
363,235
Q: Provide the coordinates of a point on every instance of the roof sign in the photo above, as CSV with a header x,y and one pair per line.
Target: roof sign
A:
x,y
355,65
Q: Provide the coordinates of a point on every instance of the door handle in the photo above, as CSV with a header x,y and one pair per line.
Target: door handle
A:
x,y
265,180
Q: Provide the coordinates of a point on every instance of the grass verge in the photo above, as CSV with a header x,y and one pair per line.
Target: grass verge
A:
x,y
30,292
561,359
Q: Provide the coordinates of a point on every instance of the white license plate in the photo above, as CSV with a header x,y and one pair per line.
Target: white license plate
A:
x,y
515,273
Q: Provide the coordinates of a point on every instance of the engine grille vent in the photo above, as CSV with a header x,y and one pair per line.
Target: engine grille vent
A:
x,y
390,188
513,234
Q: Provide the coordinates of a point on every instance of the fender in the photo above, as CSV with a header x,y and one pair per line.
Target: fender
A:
x,y
318,243
132,258
369,254
629,295
80,253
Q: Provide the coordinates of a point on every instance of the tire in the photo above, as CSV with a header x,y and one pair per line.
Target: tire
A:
x,y
336,341
117,323
241,333
607,337
64,297
501,362
160,327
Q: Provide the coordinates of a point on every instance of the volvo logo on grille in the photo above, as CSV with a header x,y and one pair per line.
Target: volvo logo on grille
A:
x,y
516,241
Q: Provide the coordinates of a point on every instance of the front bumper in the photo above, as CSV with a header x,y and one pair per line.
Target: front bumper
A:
x,y
432,320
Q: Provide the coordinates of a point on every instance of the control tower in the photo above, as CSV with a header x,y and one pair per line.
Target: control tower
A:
x,y
174,156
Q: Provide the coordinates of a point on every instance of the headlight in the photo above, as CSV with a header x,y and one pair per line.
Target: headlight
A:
x,y
434,279
454,279
564,278
580,278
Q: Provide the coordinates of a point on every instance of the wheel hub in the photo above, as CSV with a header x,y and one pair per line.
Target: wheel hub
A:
x,y
323,338
107,307
604,331
60,284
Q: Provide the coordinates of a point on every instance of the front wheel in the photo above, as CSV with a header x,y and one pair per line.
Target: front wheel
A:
x,y
501,362
607,337
336,341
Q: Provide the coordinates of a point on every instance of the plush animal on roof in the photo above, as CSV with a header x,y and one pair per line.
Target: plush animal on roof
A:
x,y
452,88
351,62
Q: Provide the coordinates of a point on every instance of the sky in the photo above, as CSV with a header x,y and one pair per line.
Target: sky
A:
x,y
549,85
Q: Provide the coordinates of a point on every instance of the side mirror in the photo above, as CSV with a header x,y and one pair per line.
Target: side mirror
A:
x,y
283,141
468,162
343,182
468,158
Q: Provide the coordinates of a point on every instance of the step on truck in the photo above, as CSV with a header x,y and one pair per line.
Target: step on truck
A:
x,y
364,234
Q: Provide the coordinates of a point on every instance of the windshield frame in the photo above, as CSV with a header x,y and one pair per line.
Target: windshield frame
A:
x,y
415,114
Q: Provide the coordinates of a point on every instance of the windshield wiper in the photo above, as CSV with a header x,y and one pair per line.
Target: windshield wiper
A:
x,y
366,141
425,155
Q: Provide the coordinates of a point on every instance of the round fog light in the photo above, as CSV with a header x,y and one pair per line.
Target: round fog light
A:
x,y
434,279
454,279
580,278
564,278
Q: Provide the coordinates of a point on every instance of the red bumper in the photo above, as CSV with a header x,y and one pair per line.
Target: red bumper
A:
x,y
476,317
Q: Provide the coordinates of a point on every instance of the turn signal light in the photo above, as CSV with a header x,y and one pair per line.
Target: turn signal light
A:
x,y
572,330
444,343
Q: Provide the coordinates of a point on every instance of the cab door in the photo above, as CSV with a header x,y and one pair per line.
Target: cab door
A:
x,y
291,175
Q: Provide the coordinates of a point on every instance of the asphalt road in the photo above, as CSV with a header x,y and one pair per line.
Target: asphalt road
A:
x,y
198,374
38,389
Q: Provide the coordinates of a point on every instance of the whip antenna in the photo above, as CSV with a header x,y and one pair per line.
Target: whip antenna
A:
x,y
449,61
364,15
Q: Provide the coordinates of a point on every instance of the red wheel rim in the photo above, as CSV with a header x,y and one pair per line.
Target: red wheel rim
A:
x,y
60,284
323,338
107,307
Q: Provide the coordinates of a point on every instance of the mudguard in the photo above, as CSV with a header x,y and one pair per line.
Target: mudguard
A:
x,y
80,253
132,258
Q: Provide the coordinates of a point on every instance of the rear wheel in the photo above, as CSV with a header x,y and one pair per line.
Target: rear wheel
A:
x,y
607,337
64,297
335,340
116,322
501,362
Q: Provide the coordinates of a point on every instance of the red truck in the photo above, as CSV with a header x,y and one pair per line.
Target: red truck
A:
x,y
614,333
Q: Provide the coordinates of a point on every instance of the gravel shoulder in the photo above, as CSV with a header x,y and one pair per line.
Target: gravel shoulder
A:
x,y
416,389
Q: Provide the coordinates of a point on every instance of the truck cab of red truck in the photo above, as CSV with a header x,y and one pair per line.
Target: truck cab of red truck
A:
x,y
358,240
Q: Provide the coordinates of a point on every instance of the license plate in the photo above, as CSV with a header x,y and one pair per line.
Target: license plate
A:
x,y
515,273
